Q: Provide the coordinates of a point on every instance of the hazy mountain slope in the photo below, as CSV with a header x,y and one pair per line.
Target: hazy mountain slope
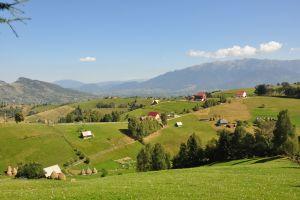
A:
x,y
72,84
32,91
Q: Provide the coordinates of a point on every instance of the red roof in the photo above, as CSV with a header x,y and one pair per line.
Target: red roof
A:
x,y
153,114
240,92
201,94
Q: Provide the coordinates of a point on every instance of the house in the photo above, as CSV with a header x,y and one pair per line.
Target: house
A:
x,y
241,94
48,170
154,115
178,124
200,96
155,102
221,122
86,134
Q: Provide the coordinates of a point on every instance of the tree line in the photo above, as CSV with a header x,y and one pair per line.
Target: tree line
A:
x,y
138,128
281,89
80,115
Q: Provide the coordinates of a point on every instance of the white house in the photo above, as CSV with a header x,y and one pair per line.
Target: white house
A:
x,y
155,102
48,170
86,134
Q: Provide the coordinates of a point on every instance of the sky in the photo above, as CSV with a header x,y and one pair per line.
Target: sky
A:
x,y
108,40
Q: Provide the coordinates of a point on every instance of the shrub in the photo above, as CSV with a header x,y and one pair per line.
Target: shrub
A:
x,y
30,171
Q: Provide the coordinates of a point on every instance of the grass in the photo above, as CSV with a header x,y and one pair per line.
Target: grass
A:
x,y
50,145
275,179
53,114
171,137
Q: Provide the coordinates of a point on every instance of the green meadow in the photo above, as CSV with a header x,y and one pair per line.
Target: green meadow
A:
x,y
269,178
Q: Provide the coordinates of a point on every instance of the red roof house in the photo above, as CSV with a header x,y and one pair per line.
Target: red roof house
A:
x,y
200,96
154,115
241,94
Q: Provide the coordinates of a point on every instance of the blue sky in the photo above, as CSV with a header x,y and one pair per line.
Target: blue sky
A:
x,y
138,39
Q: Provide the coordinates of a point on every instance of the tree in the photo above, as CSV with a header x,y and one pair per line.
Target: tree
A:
x,y
164,119
159,158
19,117
30,171
261,89
223,98
144,159
284,134
180,160
15,13
194,151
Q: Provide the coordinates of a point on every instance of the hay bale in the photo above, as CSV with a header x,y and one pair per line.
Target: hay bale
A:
x,y
54,175
62,177
9,171
95,171
88,171
14,171
83,172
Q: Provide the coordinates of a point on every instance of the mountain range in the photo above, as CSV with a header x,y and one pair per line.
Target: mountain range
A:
x,y
25,90
219,75
207,77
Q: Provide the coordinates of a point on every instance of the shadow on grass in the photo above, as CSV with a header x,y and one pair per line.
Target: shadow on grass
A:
x,y
264,160
125,132
243,161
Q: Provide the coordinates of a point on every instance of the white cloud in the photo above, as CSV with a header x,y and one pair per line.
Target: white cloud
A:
x,y
88,59
237,51
270,46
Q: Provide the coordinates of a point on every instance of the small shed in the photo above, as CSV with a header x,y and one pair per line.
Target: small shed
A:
x,y
178,124
222,122
87,134
49,170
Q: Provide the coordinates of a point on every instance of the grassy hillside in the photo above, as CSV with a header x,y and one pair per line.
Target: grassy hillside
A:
x,y
171,137
244,179
49,145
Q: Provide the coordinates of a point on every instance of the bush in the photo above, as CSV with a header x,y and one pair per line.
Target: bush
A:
x,y
104,173
30,171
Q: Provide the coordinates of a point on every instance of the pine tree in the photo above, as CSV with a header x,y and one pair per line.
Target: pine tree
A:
x,y
181,160
194,151
284,134
159,158
144,159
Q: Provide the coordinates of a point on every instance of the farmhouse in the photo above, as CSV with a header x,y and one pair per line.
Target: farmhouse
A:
x,y
200,96
86,134
155,102
241,94
154,115
49,170
221,122
178,124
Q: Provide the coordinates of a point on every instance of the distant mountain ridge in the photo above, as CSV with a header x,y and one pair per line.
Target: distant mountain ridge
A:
x,y
208,76
25,90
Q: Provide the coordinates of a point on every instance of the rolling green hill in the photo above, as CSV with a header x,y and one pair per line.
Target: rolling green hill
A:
x,y
269,178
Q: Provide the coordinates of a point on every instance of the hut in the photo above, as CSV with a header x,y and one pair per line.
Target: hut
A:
x,y
87,134
222,122
48,170
178,124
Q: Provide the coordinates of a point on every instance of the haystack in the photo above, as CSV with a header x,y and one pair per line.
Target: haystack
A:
x,y
54,175
9,171
83,172
14,171
88,171
62,177
95,171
